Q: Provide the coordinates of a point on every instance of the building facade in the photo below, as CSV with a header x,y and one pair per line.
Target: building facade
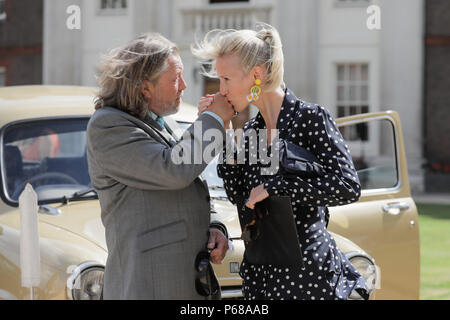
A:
x,y
437,96
21,29
351,56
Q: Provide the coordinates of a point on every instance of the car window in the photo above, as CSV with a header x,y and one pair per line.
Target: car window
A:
x,y
49,154
184,125
372,147
210,173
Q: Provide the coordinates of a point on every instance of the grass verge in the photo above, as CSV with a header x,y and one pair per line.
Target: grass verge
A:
x,y
434,226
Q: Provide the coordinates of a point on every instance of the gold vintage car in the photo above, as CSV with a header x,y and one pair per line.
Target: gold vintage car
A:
x,y
42,130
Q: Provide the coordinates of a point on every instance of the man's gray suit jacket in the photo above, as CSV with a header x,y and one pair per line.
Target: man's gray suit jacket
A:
x,y
156,213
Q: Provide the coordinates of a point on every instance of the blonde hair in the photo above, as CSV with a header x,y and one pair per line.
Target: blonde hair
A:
x,y
124,70
259,47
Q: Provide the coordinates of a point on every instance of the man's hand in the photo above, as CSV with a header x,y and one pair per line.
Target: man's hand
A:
x,y
204,103
219,105
218,244
257,194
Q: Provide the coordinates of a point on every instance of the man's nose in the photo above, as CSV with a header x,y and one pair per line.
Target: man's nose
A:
x,y
182,84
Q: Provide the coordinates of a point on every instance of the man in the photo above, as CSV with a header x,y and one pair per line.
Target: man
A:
x,y
156,213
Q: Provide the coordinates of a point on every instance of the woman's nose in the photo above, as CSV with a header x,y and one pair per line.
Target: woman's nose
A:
x,y
223,90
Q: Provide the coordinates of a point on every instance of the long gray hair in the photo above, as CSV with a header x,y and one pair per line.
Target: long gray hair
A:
x,y
124,70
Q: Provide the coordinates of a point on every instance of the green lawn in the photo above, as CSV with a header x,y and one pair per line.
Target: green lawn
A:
x,y
434,226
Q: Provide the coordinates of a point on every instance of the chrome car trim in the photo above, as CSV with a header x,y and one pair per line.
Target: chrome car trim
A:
x,y
76,272
395,208
6,295
49,210
355,254
231,293
229,278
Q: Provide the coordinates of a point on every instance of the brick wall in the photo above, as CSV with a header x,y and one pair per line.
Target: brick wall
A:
x,y
21,38
437,95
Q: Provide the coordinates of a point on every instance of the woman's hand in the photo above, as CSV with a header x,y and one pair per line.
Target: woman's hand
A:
x,y
257,194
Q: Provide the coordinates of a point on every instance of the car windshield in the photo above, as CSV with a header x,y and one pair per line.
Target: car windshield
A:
x,y
51,156
48,154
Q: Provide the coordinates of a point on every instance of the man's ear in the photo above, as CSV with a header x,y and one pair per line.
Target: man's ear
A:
x,y
147,89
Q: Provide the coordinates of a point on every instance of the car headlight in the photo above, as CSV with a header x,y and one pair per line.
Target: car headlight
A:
x,y
367,268
86,282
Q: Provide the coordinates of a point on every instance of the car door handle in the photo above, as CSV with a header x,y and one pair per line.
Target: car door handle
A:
x,y
395,208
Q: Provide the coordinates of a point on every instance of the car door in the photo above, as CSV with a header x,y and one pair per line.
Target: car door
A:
x,y
384,222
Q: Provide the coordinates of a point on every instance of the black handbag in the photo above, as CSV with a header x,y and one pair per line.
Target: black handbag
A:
x,y
298,161
295,160
269,231
271,238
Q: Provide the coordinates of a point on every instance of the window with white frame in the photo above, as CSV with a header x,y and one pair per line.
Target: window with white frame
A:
x,y
352,3
2,9
2,76
113,7
352,96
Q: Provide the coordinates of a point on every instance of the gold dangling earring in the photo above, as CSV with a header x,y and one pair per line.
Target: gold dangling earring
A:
x,y
255,91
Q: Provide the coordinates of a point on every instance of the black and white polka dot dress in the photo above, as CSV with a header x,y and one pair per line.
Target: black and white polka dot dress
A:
x,y
327,273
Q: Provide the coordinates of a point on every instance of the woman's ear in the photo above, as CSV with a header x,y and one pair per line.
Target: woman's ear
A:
x,y
258,73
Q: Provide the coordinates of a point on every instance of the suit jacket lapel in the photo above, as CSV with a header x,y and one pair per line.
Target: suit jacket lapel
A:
x,y
164,134
174,128
170,140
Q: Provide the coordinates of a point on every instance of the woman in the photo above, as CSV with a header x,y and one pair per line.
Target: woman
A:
x,y
250,67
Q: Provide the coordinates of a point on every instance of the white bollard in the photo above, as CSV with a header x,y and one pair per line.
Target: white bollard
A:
x,y
30,262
